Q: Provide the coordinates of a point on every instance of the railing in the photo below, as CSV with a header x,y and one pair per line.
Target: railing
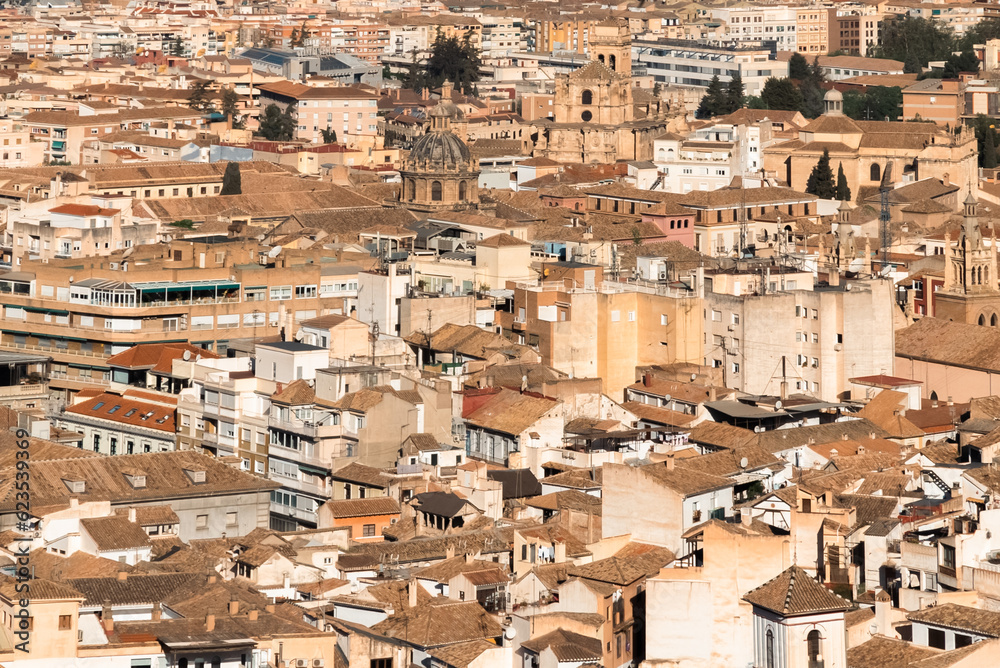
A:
x,y
22,390
293,426
30,346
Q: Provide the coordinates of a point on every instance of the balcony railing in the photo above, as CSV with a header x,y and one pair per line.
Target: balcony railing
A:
x,y
11,391
308,429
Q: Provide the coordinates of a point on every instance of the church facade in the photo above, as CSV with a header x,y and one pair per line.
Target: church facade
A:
x,y
599,117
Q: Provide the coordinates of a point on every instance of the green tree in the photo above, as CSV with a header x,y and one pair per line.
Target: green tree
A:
x,y
229,106
414,79
963,62
875,104
781,94
735,94
989,159
199,97
713,101
329,135
843,192
798,67
122,50
812,91
980,33
820,182
912,64
914,37
232,183
275,124
453,59
177,46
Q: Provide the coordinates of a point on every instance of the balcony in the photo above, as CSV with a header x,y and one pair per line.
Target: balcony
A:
x,y
23,391
307,429
296,513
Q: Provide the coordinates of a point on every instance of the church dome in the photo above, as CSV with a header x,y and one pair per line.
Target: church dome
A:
x,y
440,150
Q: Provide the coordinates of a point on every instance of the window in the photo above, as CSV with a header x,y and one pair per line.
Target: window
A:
x,y
302,291
935,638
368,530
381,663
201,522
812,645
716,316
65,622
281,292
231,519
769,649
948,559
435,191
962,640
586,97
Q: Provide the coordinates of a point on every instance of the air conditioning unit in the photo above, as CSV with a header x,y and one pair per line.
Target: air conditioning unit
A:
x,y
317,663
301,663
663,275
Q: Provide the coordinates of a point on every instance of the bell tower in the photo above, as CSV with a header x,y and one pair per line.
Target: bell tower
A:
x,y
970,292
611,44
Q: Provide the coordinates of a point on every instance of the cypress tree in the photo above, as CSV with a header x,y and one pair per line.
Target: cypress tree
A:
x,y
820,181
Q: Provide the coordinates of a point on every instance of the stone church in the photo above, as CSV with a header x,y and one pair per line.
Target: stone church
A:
x,y
599,117
970,293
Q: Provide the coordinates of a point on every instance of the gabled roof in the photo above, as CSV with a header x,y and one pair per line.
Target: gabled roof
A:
x,y
296,393
793,592
158,355
375,505
122,410
441,622
359,473
961,618
444,504
567,646
511,412
115,533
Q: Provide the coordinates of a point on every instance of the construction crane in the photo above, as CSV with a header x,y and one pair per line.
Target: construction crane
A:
x,y
885,238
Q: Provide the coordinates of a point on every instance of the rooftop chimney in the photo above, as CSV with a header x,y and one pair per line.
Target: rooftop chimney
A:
x,y
253,614
210,623
269,607
157,613
131,514
107,620
122,576
647,379
234,607
669,463
411,591
746,518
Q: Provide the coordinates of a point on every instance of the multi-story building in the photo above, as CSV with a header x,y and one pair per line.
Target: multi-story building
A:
x,y
203,292
63,133
773,332
590,327
123,424
351,112
855,31
16,147
813,26
688,63
759,24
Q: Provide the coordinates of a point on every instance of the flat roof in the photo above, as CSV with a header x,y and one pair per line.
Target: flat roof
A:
x,y
291,346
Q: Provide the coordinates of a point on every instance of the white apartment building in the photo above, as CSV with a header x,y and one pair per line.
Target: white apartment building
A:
x,y
351,112
757,24
709,158
686,63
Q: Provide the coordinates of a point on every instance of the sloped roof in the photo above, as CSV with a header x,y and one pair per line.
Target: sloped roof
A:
x,y
150,355
115,533
441,622
950,342
296,393
793,592
374,505
961,618
511,412
567,646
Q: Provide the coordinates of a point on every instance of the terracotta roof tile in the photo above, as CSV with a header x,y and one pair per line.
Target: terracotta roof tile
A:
x,y
376,505
793,592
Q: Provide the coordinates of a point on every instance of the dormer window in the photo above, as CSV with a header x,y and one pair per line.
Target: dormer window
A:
x,y
75,486
196,476
136,480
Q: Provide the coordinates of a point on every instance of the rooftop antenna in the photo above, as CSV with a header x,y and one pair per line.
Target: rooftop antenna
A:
x,y
883,217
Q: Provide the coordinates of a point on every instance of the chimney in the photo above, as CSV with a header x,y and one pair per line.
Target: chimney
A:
x,y
861,449
411,592
950,402
286,581
425,94
883,613
107,620
131,514
746,518
234,606
560,553
712,394
211,579
253,614
269,608
469,557
647,379
669,463
449,552
157,613
122,576
210,623
843,436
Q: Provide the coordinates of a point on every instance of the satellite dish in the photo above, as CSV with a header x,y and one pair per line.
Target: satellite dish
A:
x,y
197,358
743,462
509,633
778,405
694,377
187,355
273,253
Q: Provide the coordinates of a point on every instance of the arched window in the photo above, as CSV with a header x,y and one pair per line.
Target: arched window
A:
x,y
600,58
612,64
993,320
587,97
769,649
411,190
876,172
934,396
436,191
812,644
982,320
661,154
216,662
182,662
462,190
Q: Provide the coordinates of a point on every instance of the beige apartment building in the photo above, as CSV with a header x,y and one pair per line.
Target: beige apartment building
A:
x,y
350,112
16,147
82,311
589,327
812,29
63,133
